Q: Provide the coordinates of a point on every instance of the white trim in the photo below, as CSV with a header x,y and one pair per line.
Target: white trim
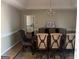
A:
x,y
8,34
9,48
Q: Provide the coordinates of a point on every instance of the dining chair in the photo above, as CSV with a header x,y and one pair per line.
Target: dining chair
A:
x,y
69,44
26,42
41,42
55,48
70,41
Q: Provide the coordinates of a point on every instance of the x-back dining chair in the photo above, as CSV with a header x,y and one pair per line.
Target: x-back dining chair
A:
x,y
55,43
41,42
55,40
69,43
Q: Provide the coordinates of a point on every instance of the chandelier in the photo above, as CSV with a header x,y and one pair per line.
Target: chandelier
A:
x,y
51,11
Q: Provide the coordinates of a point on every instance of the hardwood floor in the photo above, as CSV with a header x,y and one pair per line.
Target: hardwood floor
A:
x,y
13,52
25,55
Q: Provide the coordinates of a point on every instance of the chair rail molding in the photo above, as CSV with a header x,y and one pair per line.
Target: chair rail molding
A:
x,y
8,34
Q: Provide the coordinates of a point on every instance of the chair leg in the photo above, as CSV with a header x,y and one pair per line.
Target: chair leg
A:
x,y
36,56
23,48
32,50
47,55
62,56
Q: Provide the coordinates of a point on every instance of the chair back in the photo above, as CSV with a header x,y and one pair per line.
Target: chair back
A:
x,y
52,30
70,41
55,40
41,30
42,40
23,36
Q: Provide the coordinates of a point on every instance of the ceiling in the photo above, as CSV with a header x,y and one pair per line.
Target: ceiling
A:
x,y
42,4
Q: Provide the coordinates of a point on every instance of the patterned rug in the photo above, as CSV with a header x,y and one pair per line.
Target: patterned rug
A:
x,y
28,55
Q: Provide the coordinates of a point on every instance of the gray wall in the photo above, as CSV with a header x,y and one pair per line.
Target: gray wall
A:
x,y
10,24
63,18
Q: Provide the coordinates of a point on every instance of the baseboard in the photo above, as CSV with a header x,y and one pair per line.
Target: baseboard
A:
x,y
9,48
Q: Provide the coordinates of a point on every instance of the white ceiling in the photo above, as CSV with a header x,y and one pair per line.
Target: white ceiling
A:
x,y
42,4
